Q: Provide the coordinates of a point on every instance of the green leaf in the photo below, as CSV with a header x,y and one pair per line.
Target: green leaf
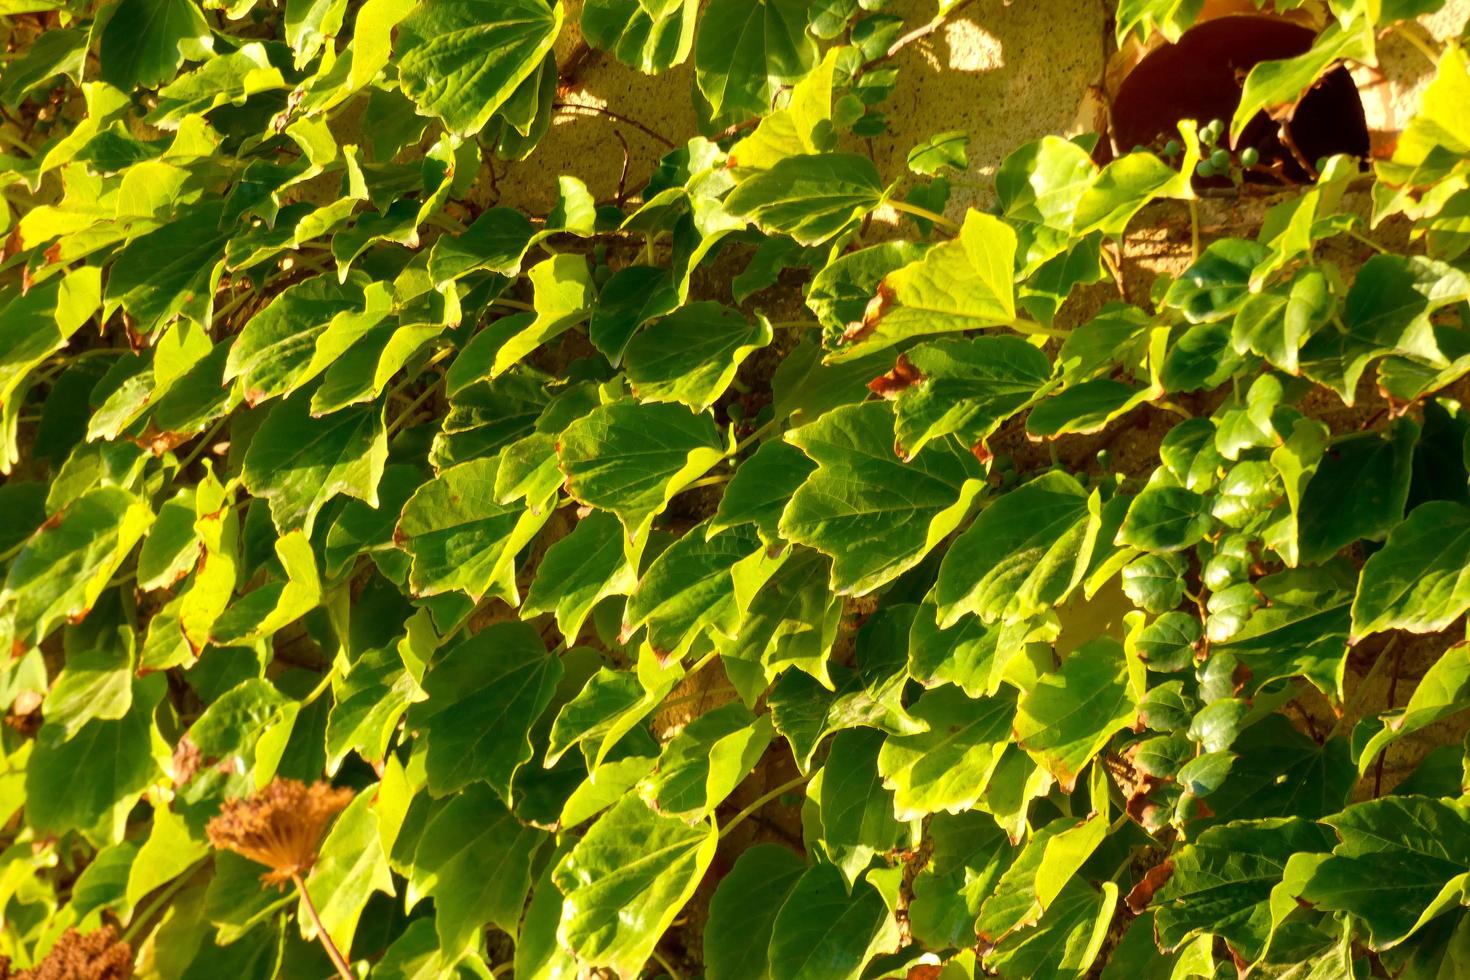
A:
x,y
1358,490
842,289
1278,83
461,60
368,705
64,567
170,271
1071,713
351,866
626,881
474,860
1218,282
823,932
1039,875
743,912
485,693
1222,882
966,387
629,299
761,487
1067,940
1418,581
1400,861
1023,553
599,714
274,353
694,586
648,40
938,152
145,41
579,571
1165,519
95,684
875,515
947,767
970,853
964,284
746,52
703,764
856,810
631,458
497,240
1444,690
1085,408
461,537
811,197
691,356
562,292
56,801
792,622
299,462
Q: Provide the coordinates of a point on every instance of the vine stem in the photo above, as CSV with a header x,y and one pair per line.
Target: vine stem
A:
x,y
761,801
1364,239
333,953
666,966
1022,325
1409,31
939,220
1194,227
743,443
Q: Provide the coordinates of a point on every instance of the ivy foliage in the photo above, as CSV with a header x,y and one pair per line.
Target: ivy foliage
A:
x,y
652,630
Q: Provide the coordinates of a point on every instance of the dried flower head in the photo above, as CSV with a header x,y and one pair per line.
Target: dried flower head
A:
x,y
279,826
98,955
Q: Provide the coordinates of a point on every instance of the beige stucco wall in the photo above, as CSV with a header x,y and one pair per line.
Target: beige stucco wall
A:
x,y
1006,73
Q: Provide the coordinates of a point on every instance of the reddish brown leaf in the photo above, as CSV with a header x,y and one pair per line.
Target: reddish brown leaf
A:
x,y
1143,892
904,375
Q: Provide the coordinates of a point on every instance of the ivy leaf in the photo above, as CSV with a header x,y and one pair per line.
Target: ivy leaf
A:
x,y
792,622
761,487
626,881
967,387
145,41
873,514
1400,861
1417,582
171,270
579,571
963,284
1221,883
947,767
631,458
1023,553
299,462
856,810
1165,519
1085,408
648,40
1358,490
811,197
1444,690
1038,875
745,53
691,356
630,298
367,706
275,350
461,60
497,240
823,932
64,567
743,912
599,714
842,289
1066,941
704,763
485,693
1277,83
56,801
474,860
1218,282
351,866
695,585
461,537
1071,713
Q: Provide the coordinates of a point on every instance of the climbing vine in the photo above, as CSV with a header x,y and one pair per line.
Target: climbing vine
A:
x,y
777,570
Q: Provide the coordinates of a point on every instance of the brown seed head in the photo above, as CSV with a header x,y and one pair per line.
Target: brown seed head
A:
x,y
280,826
98,955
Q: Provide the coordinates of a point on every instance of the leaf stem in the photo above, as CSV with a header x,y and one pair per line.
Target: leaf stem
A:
x,y
159,901
1030,327
934,217
761,801
1364,239
743,443
333,953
